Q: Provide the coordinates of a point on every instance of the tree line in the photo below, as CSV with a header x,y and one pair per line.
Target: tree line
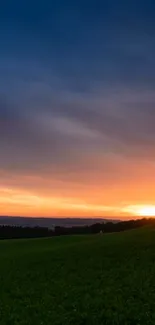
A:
x,y
10,232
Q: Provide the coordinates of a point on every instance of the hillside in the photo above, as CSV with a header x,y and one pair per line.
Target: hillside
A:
x,y
98,279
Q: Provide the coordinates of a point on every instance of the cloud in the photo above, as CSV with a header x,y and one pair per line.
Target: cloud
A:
x,y
46,123
77,95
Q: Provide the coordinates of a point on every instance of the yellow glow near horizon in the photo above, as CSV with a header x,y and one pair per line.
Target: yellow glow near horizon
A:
x,y
147,211
141,210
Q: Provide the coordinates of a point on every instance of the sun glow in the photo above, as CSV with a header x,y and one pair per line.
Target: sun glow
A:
x,y
147,211
142,210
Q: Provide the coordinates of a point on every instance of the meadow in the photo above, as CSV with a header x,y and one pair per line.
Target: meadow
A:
x,y
93,280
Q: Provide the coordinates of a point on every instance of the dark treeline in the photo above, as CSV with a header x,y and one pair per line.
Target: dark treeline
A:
x,y
8,232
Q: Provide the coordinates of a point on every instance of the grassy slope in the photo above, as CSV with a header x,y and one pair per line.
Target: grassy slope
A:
x,y
107,279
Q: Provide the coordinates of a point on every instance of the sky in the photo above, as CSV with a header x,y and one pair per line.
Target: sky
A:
x,y
77,108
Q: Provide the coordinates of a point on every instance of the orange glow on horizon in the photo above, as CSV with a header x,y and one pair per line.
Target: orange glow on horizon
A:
x,y
23,203
130,194
16,202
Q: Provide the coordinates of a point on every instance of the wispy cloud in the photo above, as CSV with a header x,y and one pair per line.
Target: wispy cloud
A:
x,y
77,101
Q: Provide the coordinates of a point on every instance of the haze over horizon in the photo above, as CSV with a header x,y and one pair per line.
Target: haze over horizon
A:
x,y
77,108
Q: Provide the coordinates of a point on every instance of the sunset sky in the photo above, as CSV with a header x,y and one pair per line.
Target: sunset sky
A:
x,y
77,108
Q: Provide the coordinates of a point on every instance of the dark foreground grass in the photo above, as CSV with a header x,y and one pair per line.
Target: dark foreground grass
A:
x,y
92,280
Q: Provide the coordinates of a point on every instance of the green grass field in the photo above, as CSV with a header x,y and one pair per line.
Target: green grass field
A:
x,y
79,280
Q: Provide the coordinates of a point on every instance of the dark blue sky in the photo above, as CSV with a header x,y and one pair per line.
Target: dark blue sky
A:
x,y
77,95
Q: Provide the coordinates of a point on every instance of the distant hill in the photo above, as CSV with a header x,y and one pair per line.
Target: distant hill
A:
x,y
50,222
